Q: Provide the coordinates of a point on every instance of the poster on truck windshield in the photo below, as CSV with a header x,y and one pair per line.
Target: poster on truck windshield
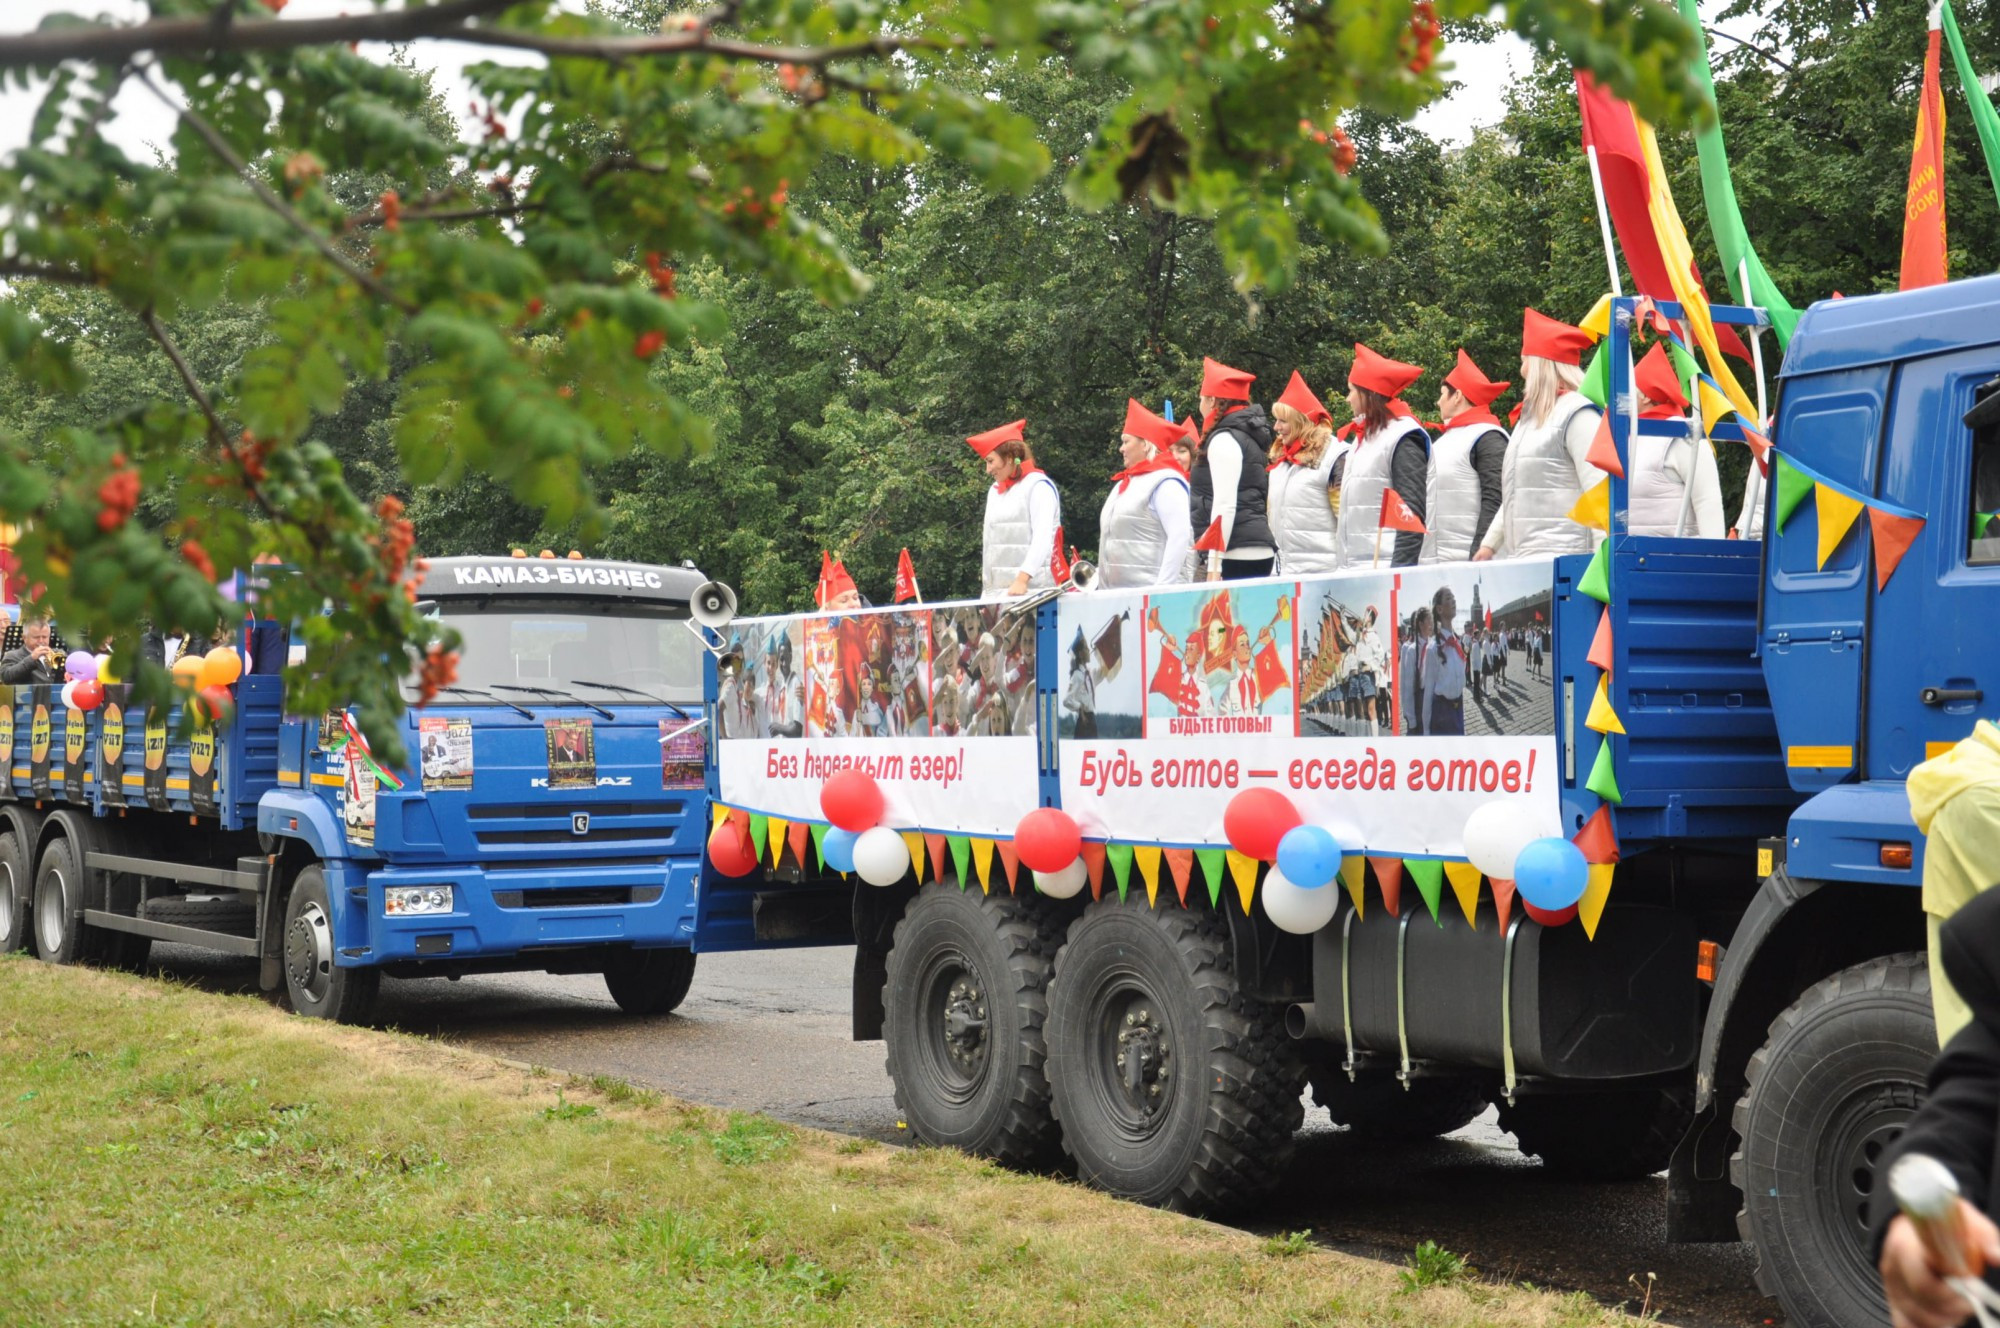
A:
x,y
1389,703
938,703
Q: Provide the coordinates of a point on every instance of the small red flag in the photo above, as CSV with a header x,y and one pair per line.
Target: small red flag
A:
x,y
906,578
825,574
1059,561
1396,514
1604,449
1489,617
1211,539
1270,674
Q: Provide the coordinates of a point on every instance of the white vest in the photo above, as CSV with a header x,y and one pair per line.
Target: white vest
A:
x,y
1361,489
1007,535
1661,470
1451,512
1130,539
1302,521
1540,484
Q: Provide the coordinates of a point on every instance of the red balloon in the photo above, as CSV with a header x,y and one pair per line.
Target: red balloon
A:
x,y
1548,919
88,694
1047,840
1256,819
852,800
729,849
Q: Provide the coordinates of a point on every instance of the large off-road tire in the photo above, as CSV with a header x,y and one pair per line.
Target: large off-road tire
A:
x,y
964,1005
60,936
1840,1076
650,981
1171,1085
1382,1109
316,986
233,915
1625,1134
17,889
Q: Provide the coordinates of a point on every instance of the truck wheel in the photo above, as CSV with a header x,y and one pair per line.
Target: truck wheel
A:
x,y
1841,1075
15,891
318,987
59,935
1626,1134
1381,1109
650,981
1171,1085
235,916
964,1003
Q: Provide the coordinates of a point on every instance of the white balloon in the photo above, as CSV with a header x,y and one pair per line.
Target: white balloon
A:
x,y
68,696
1063,884
1295,908
1495,834
880,856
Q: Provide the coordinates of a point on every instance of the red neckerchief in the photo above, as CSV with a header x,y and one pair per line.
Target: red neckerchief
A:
x,y
1124,478
1296,446
1219,413
1023,473
1477,415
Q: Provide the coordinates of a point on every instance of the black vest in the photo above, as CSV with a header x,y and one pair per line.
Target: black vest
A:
x,y
1250,430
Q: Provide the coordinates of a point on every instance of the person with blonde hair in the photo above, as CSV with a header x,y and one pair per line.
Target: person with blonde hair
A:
x,y
1304,497
1143,533
1391,450
1023,513
1547,466
1468,460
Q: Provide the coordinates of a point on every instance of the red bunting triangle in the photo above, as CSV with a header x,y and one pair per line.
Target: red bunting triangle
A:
x,y
1759,444
1600,645
935,843
1009,859
1093,860
1181,862
1893,537
1603,451
1389,876
798,834
1503,900
1597,839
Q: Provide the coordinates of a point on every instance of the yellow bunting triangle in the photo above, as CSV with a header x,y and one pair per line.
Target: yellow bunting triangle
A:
x,y
982,863
1594,508
778,828
1464,878
1354,874
1591,907
1598,321
1602,718
1714,405
1243,870
1148,858
721,815
1836,517
914,842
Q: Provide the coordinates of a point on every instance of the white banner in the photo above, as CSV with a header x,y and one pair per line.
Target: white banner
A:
x,y
1398,796
982,786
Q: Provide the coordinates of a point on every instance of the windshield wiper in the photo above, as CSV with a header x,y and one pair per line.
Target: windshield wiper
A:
x,y
633,691
560,696
514,706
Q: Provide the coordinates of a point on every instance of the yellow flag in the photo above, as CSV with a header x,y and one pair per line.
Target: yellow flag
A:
x,y
1713,405
1590,909
1353,870
982,863
1836,516
914,841
1464,878
1602,718
721,815
1242,870
778,829
1594,508
1598,321
1148,858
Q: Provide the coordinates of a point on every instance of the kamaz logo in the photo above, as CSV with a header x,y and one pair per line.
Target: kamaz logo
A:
x,y
579,823
603,781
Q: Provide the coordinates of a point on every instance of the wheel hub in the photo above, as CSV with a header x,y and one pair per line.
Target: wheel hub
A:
x,y
51,921
1143,1059
7,893
309,953
1873,1127
965,1024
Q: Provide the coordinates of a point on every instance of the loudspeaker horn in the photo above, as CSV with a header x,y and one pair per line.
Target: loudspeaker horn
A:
x,y
713,605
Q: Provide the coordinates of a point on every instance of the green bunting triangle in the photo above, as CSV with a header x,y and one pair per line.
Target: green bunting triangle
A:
x,y
1596,581
1603,779
961,857
1793,487
1212,862
760,830
1428,873
1596,385
1685,368
819,844
1120,858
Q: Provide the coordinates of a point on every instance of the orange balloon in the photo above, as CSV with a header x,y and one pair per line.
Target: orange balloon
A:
x,y
219,668
186,669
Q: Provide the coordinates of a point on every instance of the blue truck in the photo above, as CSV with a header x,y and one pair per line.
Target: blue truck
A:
x,y
549,816
1750,1012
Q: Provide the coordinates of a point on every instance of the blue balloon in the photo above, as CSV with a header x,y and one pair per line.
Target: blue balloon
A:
x,y
838,848
1309,856
1551,874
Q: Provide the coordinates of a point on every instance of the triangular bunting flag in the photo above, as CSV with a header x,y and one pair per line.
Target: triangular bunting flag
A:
x,y
961,858
1591,907
1596,580
1428,873
913,840
1243,870
1008,859
1120,858
1893,537
1389,879
1212,866
721,815
819,845
1598,321
1604,449
779,832
1760,446
760,831
1594,508
982,863
1596,385
935,843
1685,367
1714,405
1598,839
1180,861
1602,718
1464,878
1600,644
1836,517
1603,779
1093,863
1354,875
1792,490
797,837
1503,900
1148,858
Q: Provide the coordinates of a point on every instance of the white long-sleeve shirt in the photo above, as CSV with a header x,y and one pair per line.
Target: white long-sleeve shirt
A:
x,y
1043,513
1169,504
1225,471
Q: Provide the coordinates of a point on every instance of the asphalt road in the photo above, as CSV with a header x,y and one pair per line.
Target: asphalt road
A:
x,y
769,1032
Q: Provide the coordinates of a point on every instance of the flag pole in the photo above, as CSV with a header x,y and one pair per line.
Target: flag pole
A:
x,y
1603,219
1756,494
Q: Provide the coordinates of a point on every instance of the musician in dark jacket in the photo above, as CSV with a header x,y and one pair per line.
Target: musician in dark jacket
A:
x,y
34,660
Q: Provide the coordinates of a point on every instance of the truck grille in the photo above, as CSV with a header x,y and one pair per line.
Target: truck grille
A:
x,y
546,825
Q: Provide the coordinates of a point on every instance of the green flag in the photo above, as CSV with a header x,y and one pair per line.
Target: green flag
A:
x,y
1984,119
1120,858
1718,192
1211,860
1792,490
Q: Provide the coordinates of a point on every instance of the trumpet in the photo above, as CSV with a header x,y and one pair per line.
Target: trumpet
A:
x,y
1082,576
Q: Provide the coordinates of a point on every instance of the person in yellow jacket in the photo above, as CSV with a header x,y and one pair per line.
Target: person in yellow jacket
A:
x,y
1955,798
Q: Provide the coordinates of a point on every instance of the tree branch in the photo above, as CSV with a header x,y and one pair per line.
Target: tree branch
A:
x,y
172,349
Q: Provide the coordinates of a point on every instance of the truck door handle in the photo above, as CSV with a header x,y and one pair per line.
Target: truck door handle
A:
x,y
1937,696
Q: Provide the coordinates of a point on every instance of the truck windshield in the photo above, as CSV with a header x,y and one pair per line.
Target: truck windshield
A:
x,y
607,652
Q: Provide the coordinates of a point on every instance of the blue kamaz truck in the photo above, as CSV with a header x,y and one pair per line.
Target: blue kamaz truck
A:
x,y
549,816
1742,997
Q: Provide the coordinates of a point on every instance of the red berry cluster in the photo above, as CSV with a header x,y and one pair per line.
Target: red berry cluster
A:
x,y
1338,145
398,536
440,670
1424,32
649,343
663,277
766,209
488,116
197,558
119,495
392,210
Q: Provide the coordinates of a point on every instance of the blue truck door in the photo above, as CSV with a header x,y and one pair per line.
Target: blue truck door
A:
x,y
1934,671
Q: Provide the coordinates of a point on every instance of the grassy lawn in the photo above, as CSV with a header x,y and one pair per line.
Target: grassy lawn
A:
x,y
168,1156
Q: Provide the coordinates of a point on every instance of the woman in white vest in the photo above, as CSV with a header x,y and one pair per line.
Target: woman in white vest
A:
x,y
1023,513
1467,462
1391,450
1143,533
1674,488
1304,498
1547,467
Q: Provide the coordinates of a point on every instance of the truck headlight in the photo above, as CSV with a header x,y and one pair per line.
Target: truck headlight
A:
x,y
405,900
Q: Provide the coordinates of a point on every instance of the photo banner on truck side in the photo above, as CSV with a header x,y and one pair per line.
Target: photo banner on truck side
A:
x,y
1386,703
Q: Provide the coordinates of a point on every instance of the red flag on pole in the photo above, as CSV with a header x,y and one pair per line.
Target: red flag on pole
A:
x,y
1489,617
1923,207
1211,539
825,574
1396,514
1059,560
906,579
